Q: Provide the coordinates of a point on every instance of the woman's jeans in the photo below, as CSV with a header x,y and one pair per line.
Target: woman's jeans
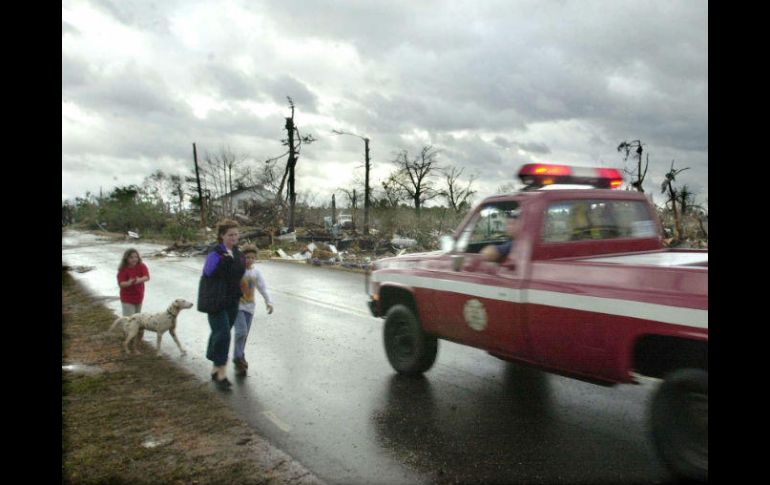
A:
x,y
242,327
219,341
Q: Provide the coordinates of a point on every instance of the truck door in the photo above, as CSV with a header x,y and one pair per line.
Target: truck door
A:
x,y
565,332
478,302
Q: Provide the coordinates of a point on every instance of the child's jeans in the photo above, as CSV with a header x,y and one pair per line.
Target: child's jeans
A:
x,y
130,308
242,327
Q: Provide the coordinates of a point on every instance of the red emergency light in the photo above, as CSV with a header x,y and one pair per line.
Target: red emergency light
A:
x,y
537,175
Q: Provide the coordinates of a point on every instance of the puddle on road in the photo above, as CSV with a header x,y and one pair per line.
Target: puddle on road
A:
x,y
82,369
81,269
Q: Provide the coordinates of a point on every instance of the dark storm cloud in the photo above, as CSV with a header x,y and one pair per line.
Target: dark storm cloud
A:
x,y
543,61
572,78
245,123
404,112
231,83
128,91
481,157
282,86
374,27
539,148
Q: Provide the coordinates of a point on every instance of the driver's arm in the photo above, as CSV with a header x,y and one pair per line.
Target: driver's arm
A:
x,y
493,252
490,253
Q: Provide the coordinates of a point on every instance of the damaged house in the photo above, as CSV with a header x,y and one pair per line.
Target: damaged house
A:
x,y
245,201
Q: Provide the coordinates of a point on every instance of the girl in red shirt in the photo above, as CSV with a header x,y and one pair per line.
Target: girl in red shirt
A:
x,y
132,273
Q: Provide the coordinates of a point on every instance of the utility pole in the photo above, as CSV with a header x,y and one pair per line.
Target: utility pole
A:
x,y
334,210
292,162
367,191
367,167
200,193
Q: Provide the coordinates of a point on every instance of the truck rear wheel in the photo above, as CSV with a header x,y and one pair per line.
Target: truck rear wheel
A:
x,y
679,418
410,350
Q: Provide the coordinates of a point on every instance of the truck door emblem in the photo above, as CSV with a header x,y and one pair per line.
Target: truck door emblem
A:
x,y
475,315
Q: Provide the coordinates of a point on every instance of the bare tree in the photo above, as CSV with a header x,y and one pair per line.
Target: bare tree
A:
x,y
636,147
392,193
217,177
457,196
686,200
294,145
177,190
416,175
667,187
156,189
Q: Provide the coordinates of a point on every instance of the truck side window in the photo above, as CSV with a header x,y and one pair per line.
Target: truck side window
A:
x,y
578,220
488,227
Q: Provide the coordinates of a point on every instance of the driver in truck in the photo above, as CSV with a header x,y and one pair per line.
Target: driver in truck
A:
x,y
497,253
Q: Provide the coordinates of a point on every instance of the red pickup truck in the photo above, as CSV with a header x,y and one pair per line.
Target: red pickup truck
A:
x,y
588,290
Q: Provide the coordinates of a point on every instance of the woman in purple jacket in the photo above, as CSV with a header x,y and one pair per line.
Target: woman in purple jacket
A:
x,y
219,292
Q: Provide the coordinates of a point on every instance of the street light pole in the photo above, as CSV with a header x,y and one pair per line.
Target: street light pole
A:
x,y
367,166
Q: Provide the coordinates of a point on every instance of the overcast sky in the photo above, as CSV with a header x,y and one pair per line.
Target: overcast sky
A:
x,y
491,84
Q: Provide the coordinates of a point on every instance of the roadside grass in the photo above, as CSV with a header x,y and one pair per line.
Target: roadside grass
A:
x,y
140,419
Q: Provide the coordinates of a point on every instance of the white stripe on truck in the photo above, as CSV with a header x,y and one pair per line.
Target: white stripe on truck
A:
x,y
690,317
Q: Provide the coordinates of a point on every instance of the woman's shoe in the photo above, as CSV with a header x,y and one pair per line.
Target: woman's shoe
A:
x,y
223,384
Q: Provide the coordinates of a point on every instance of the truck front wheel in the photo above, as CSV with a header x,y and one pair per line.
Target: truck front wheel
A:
x,y
410,350
679,418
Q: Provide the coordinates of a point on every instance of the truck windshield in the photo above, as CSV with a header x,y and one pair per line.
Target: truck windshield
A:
x,y
575,220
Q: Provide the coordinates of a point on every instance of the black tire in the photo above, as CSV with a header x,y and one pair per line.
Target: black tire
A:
x,y
410,350
679,422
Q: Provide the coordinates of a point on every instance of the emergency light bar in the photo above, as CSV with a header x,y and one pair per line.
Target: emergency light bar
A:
x,y
537,175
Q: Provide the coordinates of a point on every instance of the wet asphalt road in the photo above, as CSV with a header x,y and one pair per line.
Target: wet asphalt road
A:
x,y
321,389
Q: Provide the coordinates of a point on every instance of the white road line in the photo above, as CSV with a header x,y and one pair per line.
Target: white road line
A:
x,y
276,421
331,306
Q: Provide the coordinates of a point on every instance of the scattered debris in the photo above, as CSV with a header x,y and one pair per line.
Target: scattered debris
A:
x,y
242,219
82,369
345,221
153,442
82,269
183,249
288,237
403,242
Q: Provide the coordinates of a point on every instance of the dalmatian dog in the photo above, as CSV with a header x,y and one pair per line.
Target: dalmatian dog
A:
x,y
134,325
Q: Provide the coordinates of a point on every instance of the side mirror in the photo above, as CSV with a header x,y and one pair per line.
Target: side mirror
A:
x,y
447,243
457,261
